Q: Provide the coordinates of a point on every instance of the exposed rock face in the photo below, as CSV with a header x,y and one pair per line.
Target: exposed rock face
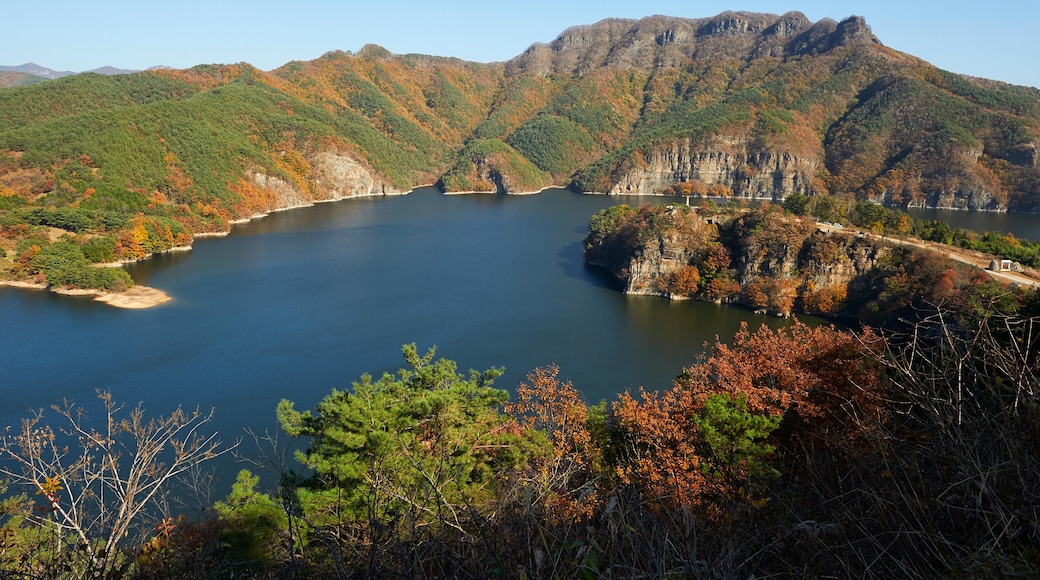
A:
x,y
335,177
853,257
655,263
725,161
960,182
488,172
762,258
971,197
285,195
643,254
820,259
660,41
339,176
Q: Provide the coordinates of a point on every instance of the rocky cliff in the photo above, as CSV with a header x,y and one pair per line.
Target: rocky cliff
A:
x,y
340,176
762,258
331,177
725,161
663,42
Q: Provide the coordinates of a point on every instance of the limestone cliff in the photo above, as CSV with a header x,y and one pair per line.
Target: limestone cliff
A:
x,y
340,176
723,160
762,258
333,177
281,193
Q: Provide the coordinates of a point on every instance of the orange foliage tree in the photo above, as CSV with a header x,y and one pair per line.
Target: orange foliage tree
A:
x,y
827,300
565,479
684,281
816,381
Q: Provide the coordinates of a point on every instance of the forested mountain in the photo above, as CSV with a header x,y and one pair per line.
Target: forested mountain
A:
x,y
739,104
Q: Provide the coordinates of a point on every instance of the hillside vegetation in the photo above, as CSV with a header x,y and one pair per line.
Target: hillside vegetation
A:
x,y
745,104
800,452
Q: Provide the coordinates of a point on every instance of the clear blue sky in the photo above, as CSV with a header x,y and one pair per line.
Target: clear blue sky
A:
x,y
997,39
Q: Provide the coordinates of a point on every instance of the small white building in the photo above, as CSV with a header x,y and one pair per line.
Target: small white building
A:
x,y
1001,265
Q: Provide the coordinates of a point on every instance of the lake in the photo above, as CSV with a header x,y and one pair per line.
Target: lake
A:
x,y
1025,226
303,301
295,304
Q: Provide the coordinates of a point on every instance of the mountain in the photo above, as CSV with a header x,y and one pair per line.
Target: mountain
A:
x,y
18,79
741,104
111,70
46,73
36,70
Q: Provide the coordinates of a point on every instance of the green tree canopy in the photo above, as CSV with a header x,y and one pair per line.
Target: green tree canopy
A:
x,y
424,440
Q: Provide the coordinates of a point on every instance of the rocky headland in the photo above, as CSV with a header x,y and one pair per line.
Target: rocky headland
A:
x,y
768,260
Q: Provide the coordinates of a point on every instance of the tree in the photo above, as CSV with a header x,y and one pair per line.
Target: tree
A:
x,y
253,520
684,281
565,479
414,459
688,446
102,487
426,441
796,203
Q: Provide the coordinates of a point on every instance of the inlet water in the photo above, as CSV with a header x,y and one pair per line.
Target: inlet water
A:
x,y
307,300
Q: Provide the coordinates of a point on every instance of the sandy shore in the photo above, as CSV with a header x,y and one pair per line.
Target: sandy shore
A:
x,y
136,297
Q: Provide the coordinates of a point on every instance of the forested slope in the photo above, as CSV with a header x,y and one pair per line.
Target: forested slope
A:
x,y
741,104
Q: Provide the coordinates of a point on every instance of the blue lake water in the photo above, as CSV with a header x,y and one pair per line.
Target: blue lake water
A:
x,y
307,300
303,301
1024,226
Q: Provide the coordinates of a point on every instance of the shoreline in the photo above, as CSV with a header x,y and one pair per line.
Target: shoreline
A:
x,y
135,298
532,192
139,297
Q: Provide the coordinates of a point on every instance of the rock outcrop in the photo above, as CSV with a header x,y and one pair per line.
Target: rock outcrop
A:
x,y
334,177
762,258
648,271
725,161
661,41
284,194
339,177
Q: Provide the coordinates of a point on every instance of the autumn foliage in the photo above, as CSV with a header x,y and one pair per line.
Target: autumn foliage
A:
x,y
565,478
799,451
818,381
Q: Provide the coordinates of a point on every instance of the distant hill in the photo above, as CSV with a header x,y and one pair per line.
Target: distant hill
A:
x,y
18,79
36,70
46,73
744,104
111,70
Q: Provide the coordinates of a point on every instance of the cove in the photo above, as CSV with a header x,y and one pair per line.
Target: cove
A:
x,y
304,301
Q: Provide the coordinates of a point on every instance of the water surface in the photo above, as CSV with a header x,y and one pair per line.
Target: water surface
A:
x,y
1025,226
307,300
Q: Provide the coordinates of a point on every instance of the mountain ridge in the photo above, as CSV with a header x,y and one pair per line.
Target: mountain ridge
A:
x,y
740,104
34,69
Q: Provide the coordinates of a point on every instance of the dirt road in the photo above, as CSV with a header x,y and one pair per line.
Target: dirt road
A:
x,y
977,259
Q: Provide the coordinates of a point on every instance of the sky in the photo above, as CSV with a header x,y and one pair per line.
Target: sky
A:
x,y
996,39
